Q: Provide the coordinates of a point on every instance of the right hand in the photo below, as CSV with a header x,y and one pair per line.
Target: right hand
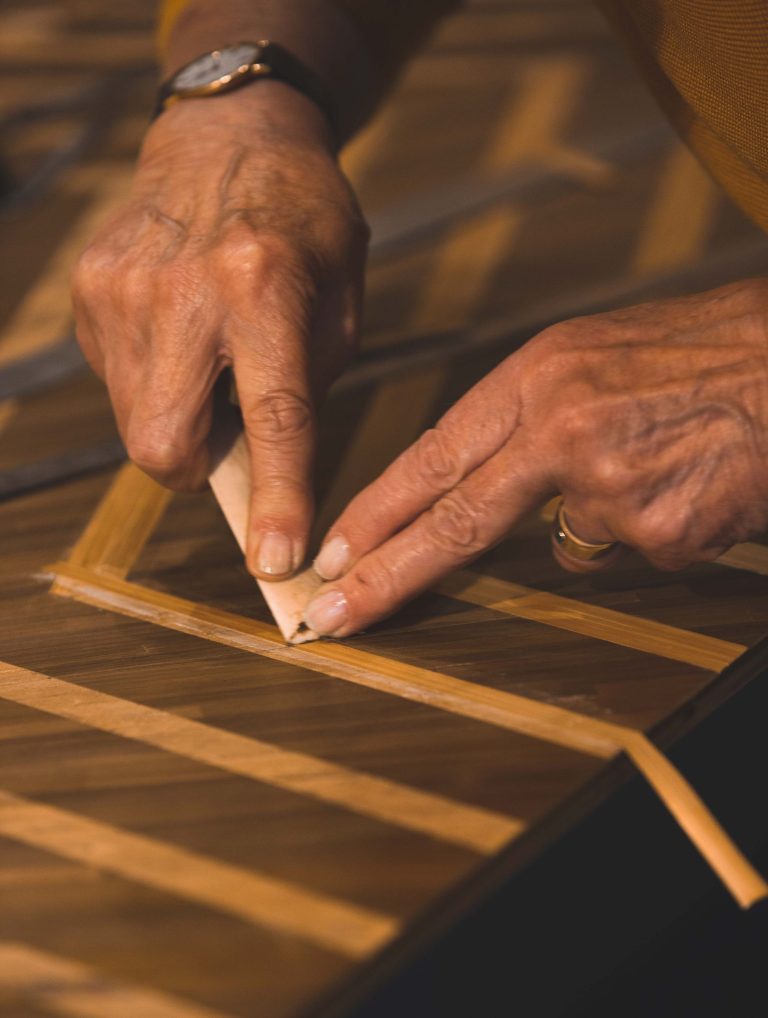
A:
x,y
241,245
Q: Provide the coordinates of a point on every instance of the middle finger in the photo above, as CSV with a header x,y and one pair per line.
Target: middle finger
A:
x,y
456,529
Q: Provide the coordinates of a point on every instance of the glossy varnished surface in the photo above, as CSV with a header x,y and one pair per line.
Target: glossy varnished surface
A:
x,y
535,89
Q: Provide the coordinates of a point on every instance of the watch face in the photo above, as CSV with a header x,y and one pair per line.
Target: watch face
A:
x,y
223,63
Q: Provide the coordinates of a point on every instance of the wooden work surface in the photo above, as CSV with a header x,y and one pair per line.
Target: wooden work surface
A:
x,y
197,821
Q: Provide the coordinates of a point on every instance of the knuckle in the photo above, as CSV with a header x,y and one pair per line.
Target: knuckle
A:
x,y
434,462
283,273
256,255
103,275
134,283
155,452
281,502
609,475
280,415
575,427
93,270
271,251
372,583
661,534
287,487
453,526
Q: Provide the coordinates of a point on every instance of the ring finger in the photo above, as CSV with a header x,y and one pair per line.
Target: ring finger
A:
x,y
580,542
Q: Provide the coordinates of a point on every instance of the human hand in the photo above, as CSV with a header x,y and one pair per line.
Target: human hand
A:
x,y
652,422
241,245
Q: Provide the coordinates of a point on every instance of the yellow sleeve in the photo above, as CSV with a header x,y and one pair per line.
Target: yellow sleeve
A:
x,y
706,62
168,14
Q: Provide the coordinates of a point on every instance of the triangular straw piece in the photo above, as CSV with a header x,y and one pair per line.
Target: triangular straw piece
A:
x,y
231,484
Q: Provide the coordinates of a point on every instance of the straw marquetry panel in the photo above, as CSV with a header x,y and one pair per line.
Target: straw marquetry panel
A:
x,y
114,538
198,821
591,620
470,827
258,898
505,710
62,986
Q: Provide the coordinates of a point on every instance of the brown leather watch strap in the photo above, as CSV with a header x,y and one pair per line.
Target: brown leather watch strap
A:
x,y
275,62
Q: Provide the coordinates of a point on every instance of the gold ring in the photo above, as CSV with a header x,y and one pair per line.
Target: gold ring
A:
x,y
573,546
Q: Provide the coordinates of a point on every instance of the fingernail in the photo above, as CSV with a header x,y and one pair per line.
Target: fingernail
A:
x,y
327,613
333,559
275,555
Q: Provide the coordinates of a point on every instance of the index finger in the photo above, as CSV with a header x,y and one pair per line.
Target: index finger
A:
x,y
278,419
461,525
471,432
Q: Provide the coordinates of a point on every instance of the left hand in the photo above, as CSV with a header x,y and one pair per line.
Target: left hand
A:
x,y
652,422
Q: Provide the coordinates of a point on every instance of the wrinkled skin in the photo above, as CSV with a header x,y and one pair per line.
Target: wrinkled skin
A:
x,y
241,245
652,422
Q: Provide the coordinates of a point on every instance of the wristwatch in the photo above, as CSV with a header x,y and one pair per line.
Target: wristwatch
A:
x,y
231,67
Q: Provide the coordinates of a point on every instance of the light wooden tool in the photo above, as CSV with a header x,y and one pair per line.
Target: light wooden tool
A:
x,y
231,484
